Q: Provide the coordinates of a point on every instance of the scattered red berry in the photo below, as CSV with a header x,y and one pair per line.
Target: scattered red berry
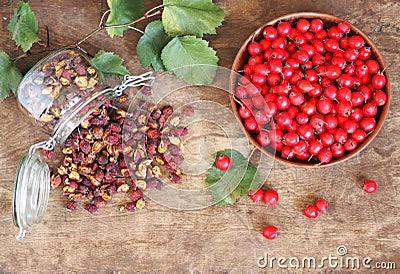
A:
x,y
270,232
369,186
318,84
321,205
223,162
270,197
311,211
256,195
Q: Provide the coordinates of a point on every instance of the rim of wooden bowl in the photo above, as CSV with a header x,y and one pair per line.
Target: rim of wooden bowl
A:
x,y
242,56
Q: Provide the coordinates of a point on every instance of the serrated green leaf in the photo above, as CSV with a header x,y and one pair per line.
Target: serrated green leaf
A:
x,y
227,186
10,76
108,63
24,26
122,12
191,17
150,45
191,59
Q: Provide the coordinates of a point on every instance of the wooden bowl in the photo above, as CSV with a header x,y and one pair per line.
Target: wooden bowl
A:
x,y
242,57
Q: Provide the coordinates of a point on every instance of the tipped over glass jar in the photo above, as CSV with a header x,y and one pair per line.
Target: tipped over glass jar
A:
x,y
58,93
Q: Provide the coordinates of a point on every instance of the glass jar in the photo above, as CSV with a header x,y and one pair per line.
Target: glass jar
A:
x,y
58,93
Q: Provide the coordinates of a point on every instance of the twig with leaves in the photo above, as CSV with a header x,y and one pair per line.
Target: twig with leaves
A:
x,y
168,44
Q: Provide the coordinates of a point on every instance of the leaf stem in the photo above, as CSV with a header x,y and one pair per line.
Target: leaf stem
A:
x,y
147,14
29,53
133,22
101,27
136,29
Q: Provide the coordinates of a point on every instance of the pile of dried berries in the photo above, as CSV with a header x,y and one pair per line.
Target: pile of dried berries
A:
x,y
60,83
113,151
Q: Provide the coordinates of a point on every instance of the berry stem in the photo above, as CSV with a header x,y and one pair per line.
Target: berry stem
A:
x,y
102,25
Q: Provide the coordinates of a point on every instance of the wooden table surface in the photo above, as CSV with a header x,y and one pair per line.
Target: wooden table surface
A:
x,y
214,239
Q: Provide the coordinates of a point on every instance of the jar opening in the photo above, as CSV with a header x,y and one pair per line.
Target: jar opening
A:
x,y
30,192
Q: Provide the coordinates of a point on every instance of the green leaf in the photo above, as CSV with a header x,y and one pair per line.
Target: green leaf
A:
x,y
24,26
191,59
109,63
150,45
10,76
122,12
227,186
191,17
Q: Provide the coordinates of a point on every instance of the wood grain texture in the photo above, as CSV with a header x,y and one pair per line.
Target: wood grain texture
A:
x,y
215,239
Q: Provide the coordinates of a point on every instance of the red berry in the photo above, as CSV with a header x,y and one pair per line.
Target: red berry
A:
x,y
270,232
256,195
344,27
369,186
315,147
302,25
350,144
250,123
359,135
337,149
291,139
270,33
324,106
270,197
321,35
254,48
311,211
325,156
306,131
283,119
373,66
364,53
378,81
335,33
283,29
368,124
223,162
322,205
316,25
356,42
244,112
332,45
379,98
259,79
263,138
370,109
327,139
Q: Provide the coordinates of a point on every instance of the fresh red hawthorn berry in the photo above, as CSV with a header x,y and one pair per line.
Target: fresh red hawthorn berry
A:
x,y
344,27
223,162
311,211
270,33
244,112
378,81
256,195
254,48
283,29
325,156
379,98
369,186
271,197
263,138
270,232
250,124
322,205
316,25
